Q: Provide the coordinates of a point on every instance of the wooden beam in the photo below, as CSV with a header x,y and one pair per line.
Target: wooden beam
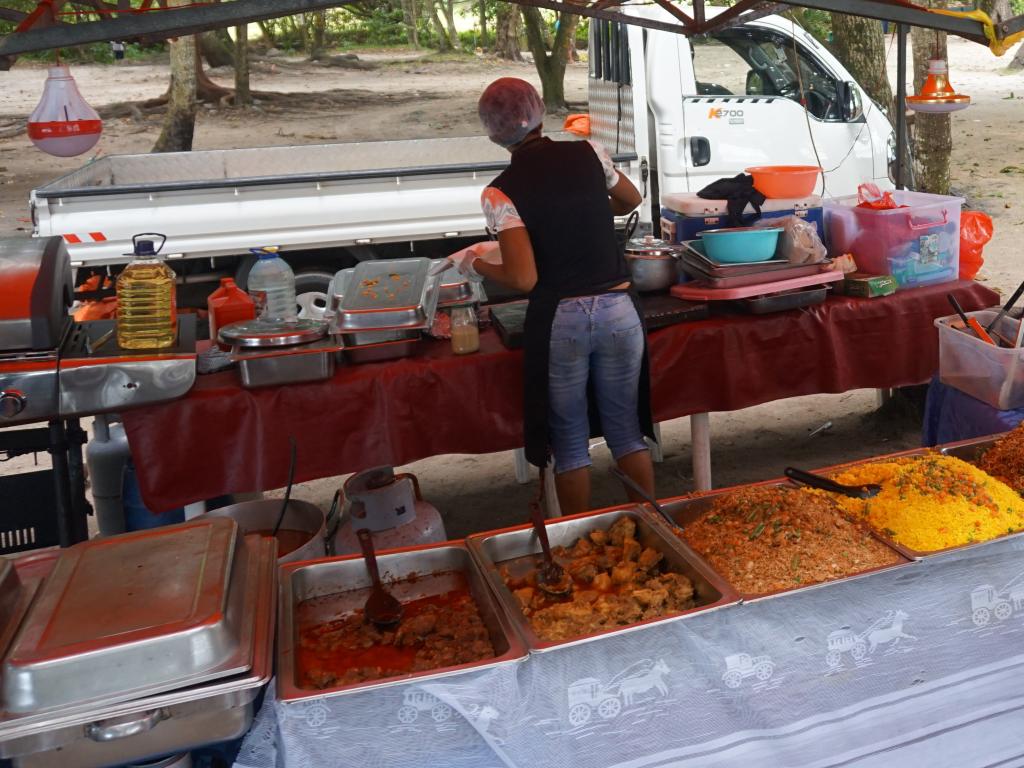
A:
x,y
595,13
723,19
678,13
160,24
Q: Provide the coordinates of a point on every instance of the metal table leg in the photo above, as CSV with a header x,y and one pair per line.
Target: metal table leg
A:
x,y
66,440
700,438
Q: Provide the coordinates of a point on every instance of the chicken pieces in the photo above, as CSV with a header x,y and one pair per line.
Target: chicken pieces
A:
x,y
616,582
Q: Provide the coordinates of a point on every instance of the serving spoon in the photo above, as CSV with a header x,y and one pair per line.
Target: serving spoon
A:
x,y
635,487
382,609
551,577
826,484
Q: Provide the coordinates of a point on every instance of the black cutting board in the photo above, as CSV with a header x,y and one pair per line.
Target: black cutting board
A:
x,y
660,310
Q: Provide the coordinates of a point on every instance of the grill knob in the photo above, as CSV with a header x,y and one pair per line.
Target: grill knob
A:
x,y
12,402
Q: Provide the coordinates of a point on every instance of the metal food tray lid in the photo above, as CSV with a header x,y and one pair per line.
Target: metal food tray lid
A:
x,y
389,293
132,615
271,333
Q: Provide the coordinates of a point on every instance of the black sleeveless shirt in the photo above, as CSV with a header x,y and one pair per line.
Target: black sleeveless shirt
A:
x,y
558,188
559,191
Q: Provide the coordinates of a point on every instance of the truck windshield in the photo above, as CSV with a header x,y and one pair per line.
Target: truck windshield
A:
x,y
757,62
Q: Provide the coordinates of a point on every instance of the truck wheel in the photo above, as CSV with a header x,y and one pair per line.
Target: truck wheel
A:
x,y
311,293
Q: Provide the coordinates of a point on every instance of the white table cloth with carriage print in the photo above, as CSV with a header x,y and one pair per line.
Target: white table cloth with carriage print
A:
x,y
920,666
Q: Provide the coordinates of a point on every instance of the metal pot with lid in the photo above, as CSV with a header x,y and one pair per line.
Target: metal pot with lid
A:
x,y
273,352
652,262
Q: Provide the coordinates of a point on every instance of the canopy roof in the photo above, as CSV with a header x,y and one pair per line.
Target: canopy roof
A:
x,y
42,29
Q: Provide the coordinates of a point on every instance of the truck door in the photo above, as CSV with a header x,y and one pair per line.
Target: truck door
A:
x,y
759,97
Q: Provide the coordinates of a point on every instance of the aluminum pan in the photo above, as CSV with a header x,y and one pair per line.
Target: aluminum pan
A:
x,y
685,511
917,554
347,578
493,548
24,735
412,307
971,450
132,615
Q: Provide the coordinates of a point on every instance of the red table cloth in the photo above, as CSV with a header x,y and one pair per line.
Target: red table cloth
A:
x,y
221,438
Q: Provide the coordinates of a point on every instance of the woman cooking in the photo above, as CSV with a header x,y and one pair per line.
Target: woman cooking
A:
x,y
553,212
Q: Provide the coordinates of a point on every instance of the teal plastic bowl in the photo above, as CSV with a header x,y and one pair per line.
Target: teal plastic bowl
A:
x,y
740,245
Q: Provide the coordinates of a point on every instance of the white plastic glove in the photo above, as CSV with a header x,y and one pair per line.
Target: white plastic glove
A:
x,y
486,250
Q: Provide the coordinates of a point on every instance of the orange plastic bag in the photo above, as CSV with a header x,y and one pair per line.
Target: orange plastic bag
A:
x,y
975,231
870,196
578,124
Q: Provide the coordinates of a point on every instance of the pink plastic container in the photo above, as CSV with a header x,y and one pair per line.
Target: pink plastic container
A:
x,y
918,244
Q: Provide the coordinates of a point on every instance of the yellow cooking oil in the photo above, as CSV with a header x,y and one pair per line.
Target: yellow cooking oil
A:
x,y
147,316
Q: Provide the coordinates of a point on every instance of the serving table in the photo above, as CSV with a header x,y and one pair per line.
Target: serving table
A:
x,y
770,682
221,438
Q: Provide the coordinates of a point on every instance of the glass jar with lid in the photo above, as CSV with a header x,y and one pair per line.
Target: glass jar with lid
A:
x,y
465,331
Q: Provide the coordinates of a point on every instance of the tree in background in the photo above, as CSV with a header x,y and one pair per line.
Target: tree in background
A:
x,y
180,118
860,44
933,139
243,94
442,17
550,52
509,31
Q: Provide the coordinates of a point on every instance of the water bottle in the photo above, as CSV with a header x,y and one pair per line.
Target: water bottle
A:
x,y
272,286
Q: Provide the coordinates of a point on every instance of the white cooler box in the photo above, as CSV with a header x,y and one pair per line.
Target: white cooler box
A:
x,y
684,214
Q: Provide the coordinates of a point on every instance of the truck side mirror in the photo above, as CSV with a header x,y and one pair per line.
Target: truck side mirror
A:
x,y
850,106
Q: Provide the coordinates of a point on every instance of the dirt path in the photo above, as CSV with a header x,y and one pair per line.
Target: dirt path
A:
x,y
416,98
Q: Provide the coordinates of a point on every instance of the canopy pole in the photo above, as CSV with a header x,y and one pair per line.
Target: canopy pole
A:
x,y
901,104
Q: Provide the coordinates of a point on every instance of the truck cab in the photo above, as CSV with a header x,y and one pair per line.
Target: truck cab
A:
x,y
699,109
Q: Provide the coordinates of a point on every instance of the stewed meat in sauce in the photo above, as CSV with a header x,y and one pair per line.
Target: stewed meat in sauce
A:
x,y
436,631
616,582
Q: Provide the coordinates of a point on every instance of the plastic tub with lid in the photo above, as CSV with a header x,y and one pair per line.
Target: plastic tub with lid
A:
x,y
994,375
918,244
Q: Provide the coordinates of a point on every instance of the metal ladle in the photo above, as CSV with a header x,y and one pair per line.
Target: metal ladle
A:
x,y
826,484
551,577
382,609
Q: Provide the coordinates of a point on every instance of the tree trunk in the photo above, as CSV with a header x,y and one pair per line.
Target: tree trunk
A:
x,y
506,41
1018,60
411,26
860,45
180,119
933,140
443,43
319,33
214,50
206,89
268,31
449,16
483,23
243,94
550,63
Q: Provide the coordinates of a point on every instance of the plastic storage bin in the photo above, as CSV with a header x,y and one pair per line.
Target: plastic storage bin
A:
x,y
994,375
684,214
918,245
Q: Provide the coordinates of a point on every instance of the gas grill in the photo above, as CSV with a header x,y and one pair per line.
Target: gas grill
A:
x,y
53,369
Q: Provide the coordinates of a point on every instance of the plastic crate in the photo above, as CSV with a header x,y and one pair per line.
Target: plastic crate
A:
x,y
28,516
918,245
994,375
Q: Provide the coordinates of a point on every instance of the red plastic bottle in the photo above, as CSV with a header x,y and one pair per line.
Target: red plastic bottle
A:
x,y
228,304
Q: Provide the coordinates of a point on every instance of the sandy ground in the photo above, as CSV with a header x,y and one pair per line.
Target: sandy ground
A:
x,y
410,98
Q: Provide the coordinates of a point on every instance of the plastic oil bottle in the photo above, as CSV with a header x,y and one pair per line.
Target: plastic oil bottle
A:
x,y
272,286
147,316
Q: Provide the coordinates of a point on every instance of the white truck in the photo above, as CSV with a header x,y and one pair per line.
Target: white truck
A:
x,y
675,113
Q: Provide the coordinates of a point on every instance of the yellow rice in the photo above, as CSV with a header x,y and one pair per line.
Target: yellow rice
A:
x,y
932,502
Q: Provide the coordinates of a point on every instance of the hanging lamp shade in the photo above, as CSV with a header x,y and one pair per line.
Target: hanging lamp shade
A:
x,y
63,124
937,95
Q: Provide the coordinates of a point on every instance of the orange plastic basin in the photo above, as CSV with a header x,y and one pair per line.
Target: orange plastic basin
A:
x,y
785,181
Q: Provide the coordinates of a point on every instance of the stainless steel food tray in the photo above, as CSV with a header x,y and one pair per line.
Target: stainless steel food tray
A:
x,y
406,572
958,450
693,252
289,365
176,721
496,547
685,511
129,616
16,594
971,450
387,350
390,293
456,288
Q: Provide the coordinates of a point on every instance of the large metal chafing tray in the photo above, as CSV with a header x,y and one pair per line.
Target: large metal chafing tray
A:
x,y
409,574
494,548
